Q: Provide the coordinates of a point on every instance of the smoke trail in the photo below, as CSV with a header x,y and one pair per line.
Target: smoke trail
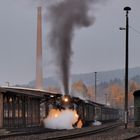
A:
x,y
65,16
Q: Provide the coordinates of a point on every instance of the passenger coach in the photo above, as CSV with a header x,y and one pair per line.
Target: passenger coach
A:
x,y
90,111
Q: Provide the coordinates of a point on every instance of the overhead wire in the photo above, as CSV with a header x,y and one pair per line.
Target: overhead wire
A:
x,y
138,32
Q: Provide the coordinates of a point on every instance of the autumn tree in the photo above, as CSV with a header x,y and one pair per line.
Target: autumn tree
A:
x,y
91,92
115,95
79,89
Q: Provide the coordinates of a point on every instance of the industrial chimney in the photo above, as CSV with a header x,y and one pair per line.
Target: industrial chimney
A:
x,y
39,73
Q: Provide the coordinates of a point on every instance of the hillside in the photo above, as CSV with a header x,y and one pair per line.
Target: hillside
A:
x,y
89,78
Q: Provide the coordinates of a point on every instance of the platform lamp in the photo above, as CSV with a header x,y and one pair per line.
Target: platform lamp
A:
x,y
127,9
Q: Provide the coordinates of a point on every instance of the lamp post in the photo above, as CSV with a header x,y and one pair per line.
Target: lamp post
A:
x,y
95,86
106,98
127,9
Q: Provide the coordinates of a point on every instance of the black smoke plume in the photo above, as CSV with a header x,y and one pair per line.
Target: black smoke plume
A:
x,y
65,16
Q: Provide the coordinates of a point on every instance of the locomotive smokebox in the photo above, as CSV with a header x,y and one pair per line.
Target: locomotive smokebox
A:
x,y
67,102
66,99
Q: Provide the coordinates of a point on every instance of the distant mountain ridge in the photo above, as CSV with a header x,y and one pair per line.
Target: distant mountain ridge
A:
x,y
89,78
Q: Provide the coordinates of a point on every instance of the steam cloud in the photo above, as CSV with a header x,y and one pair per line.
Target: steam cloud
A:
x,y
60,119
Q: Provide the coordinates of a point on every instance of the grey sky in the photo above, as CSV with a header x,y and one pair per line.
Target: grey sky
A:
x,y
97,48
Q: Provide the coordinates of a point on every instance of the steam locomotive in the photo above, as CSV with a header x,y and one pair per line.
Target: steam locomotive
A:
x,y
87,111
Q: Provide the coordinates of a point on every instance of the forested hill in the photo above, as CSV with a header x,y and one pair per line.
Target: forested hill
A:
x,y
89,78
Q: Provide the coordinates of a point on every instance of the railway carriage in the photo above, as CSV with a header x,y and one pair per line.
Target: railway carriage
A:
x,y
94,111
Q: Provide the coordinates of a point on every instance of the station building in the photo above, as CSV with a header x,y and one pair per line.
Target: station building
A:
x,y
19,107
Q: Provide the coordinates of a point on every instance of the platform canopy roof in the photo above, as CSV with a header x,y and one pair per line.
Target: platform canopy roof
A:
x,y
28,92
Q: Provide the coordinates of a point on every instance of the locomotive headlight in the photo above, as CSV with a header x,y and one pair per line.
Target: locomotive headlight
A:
x,y
66,99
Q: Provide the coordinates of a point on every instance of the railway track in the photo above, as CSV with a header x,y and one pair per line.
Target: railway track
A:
x,y
83,132
49,134
135,137
13,133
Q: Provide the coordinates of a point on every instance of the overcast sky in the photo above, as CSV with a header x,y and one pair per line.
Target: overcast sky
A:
x,y
97,48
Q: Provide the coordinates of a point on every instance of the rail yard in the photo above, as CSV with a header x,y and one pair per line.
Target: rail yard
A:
x,y
110,131
39,113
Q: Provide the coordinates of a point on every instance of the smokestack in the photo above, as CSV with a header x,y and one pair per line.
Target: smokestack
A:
x,y
39,75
